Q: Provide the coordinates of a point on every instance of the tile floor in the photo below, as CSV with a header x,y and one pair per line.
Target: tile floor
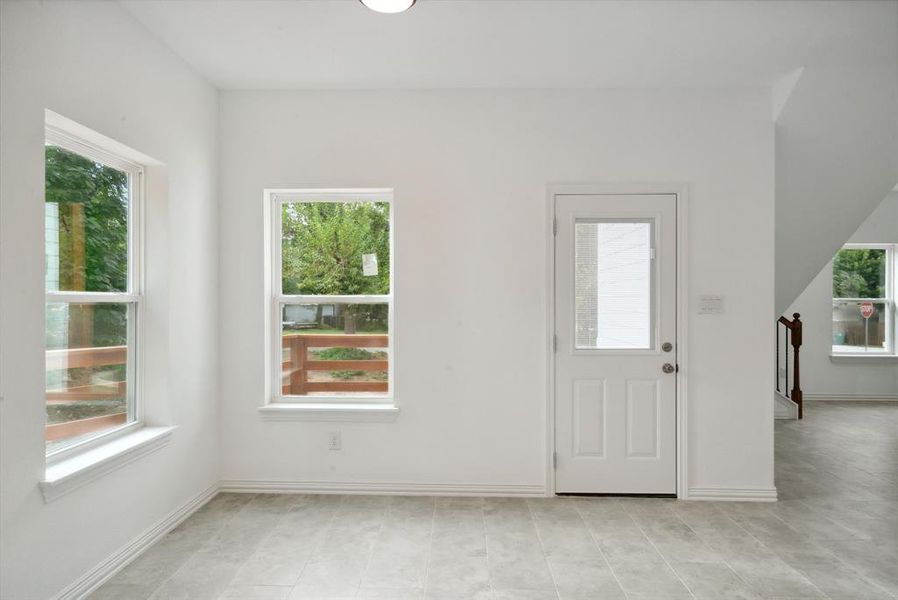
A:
x,y
834,534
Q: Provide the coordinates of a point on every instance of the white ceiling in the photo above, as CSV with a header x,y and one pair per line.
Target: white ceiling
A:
x,y
332,44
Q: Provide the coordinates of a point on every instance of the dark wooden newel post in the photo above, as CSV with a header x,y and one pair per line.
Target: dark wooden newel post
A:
x,y
796,370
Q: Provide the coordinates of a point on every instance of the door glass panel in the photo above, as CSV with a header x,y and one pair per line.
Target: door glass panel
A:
x,y
613,285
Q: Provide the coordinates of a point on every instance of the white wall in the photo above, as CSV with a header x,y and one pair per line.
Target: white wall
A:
x,y
92,63
470,170
836,138
852,378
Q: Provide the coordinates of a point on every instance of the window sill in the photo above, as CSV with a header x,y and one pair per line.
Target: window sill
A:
x,y
66,475
375,413
876,358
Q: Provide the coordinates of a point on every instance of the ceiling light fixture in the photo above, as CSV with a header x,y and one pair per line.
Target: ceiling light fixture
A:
x,y
388,6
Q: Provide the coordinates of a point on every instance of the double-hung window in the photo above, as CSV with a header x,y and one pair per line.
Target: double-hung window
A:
x,y
332,296
93,300
864,300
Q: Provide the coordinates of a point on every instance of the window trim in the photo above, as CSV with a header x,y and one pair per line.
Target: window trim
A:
x,y
56,135
378,406
890,301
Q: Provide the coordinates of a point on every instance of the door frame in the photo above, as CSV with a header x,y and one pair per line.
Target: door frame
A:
x,y
680,191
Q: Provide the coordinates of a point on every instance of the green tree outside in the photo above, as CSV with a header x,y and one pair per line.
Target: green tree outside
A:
x,y
92,202
859,273
323,244
322,250
102,193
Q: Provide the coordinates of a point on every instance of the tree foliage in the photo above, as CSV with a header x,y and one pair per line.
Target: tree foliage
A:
x,y
859,273
323,244
103,193
322,249
93,247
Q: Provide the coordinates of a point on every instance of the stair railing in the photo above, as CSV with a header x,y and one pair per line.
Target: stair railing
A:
x,y
790,332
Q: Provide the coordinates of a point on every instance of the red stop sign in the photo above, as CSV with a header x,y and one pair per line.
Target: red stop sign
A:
x,y
866,309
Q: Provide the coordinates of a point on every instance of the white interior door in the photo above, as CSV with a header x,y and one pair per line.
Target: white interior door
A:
x,y
615,347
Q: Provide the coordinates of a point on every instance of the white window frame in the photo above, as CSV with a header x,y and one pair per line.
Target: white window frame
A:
x,y
133,297
274,200
891,273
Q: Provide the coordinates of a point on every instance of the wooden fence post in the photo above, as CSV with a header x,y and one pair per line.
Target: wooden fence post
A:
x,y
298,375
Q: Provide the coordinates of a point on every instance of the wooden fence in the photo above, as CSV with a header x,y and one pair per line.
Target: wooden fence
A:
x,y
73,358
296,368
297,365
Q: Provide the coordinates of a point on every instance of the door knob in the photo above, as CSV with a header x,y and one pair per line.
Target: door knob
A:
x,y
668,368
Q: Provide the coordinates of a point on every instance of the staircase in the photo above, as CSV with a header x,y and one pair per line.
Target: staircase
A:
x,y
784,408
788,401
836,159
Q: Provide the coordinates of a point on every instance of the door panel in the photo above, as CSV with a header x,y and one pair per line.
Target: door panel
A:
x,y
643,425
615,307
589,417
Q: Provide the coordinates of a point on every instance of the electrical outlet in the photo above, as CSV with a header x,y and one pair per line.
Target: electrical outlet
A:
x,y
334,440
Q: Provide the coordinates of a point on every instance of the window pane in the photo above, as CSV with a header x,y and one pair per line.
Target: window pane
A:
x,y
335,248
87,373
852,333
334,349
613,285
859,273
86,224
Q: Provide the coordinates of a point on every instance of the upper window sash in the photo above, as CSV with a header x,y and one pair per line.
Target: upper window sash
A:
x,y
55,136
889,275
279,197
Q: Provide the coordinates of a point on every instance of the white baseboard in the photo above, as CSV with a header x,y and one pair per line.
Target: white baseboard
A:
x,y
852,397
119,559
352,487
783,407
733,494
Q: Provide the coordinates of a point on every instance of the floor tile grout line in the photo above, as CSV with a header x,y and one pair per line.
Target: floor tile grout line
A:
x,y
542,547
246,560
834,556
666,562
724,559
195,552
486,546
380,531
271,532
433,520
317,545
324,536
760,541
601,552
